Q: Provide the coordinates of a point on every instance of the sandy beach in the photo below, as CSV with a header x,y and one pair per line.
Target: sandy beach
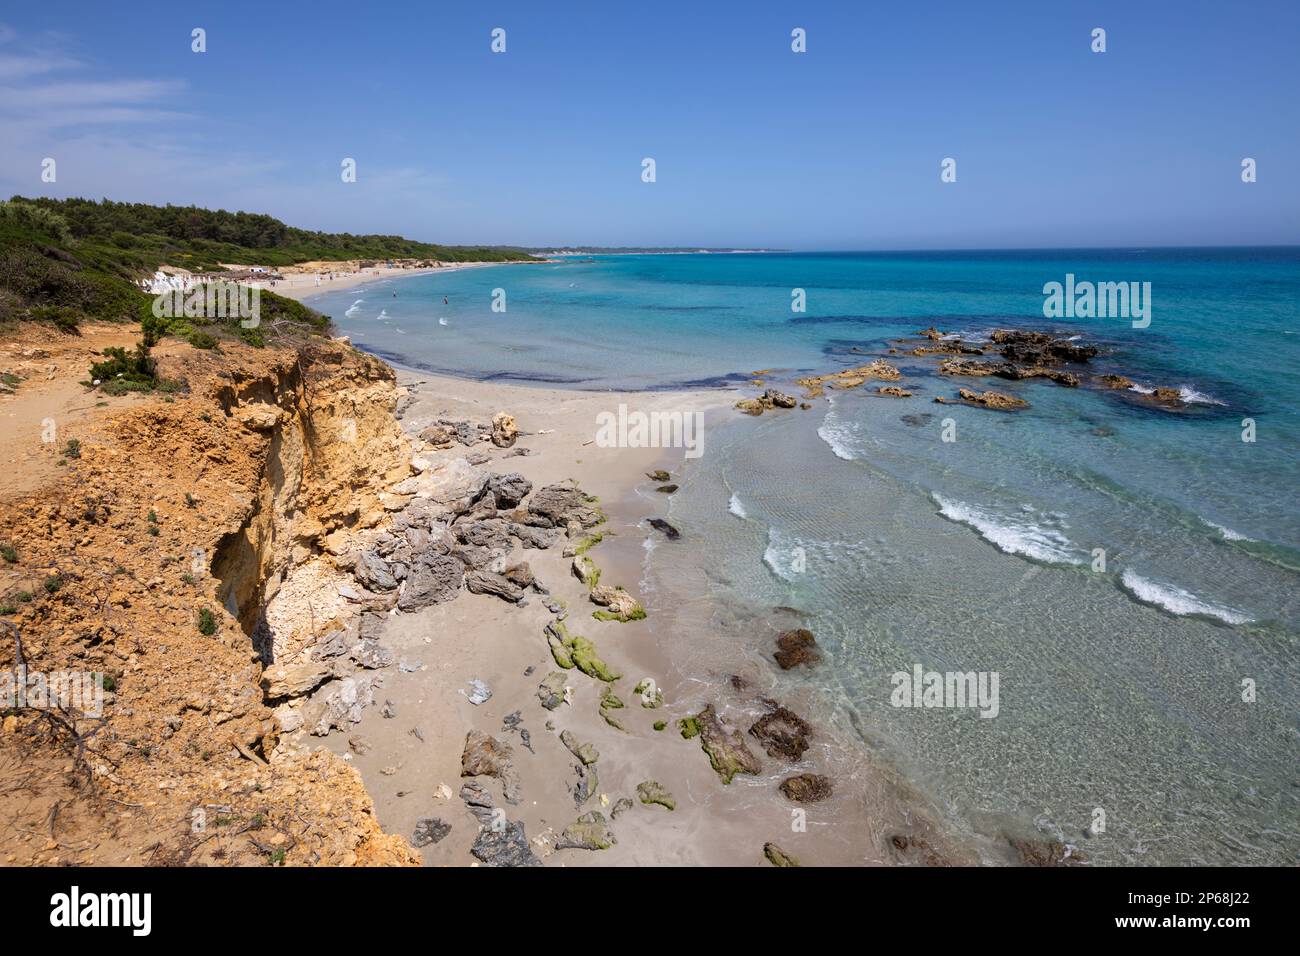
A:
x,y
300,282
408,746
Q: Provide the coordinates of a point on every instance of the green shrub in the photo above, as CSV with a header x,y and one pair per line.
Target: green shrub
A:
x,y
9,553
207,622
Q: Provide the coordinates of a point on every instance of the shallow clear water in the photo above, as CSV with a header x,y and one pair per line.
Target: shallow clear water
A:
x,y
1120,687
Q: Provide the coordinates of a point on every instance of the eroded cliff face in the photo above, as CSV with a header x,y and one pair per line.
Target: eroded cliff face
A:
x,y
223,500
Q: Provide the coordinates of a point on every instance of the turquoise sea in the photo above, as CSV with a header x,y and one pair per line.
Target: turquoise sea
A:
x,y
1161,688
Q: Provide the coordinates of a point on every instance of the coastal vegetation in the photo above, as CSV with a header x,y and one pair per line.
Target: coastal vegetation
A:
x,y
66,261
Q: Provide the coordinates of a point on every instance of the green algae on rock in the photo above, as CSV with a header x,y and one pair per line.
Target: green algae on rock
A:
x,y
777,856
728,753
652,792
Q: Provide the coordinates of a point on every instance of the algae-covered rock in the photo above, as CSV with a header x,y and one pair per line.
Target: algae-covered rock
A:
x,y
689,726
572,650
620,605
551,691
584,752
650,694
728,753
660,724
652,791
609,701
621,806
777,856
585,570
585,788
557,637
589,832
586,660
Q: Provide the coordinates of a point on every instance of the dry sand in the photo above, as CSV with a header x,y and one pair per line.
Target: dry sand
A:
x,y
300,285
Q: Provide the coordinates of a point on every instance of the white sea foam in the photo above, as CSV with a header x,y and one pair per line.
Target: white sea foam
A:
x,y
383,314
1176,600
1186,392
1012,535
354,308
1192,396
837,433
736,507
1227,533
443,322
784,556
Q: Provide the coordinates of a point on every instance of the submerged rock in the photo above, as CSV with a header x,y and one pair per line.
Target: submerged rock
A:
x,y
806,788
1046,852
659,524
796,647
988,399
783,733
659,475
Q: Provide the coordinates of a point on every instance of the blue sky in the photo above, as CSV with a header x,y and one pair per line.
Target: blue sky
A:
x,y
837,148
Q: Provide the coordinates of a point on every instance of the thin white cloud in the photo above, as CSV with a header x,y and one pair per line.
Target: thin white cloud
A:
x,y
18,66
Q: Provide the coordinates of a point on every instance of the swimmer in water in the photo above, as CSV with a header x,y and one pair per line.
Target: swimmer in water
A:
x,y
444,300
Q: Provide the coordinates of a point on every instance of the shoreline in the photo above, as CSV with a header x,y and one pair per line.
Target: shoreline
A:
x,y
409,751
301,286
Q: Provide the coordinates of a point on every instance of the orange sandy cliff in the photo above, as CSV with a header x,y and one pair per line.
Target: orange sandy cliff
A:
x,y
207,498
